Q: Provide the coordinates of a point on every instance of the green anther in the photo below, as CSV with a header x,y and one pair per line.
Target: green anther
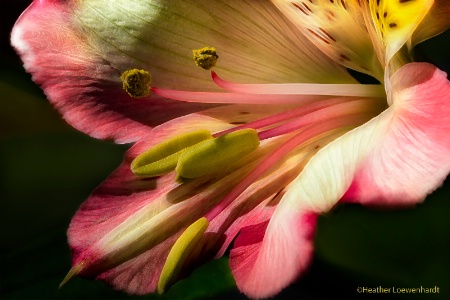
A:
x,y
179,252
163,157
136,82
215,155
205,57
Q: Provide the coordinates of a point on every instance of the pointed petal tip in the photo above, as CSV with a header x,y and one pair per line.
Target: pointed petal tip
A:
x,y
74,271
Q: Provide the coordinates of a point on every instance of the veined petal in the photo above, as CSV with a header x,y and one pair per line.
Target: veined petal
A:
x,y
80,82
130,220
260,263
413,158
79,65
396,158
392,23
337,28
253,41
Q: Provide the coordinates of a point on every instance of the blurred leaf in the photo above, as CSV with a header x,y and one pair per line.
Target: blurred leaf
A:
x,y
402,248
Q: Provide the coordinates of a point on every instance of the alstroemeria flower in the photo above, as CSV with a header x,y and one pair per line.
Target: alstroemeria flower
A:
x,y
255,161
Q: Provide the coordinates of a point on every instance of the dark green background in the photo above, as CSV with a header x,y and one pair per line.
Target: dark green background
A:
x,y
47,169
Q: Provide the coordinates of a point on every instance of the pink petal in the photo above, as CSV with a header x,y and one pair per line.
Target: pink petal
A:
x,y
77,50
396,158
120,198
436,21
83,86
164,208
263,266
413,158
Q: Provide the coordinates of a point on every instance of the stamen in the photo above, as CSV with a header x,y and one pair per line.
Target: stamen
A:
x,y
230,98
215,155
356,90
195,154
309,132
206,57
136,82
284,116
323,115
163,157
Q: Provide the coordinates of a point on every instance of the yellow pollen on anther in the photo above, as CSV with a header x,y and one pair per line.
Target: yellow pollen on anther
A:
x,y
206,57
136,82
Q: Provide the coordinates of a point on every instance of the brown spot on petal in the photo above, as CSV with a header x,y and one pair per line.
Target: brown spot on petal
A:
x,y
307,7
328,35
344,57
318,36
300,8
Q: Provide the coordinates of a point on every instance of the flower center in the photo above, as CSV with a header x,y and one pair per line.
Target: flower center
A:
x,y
318,113
200,153
205,153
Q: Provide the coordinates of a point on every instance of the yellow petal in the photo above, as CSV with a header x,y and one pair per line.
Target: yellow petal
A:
x,y
395,21
435,22
337,28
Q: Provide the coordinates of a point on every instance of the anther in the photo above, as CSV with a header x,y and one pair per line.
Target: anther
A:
x,y
215,155
205,57
163,157
136,82
179,252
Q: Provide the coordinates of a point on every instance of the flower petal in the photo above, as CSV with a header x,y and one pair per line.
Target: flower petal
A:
x,y
396,158
79,65
253,40
413,158
392,23
122,233
436,21
81,84
261,264
337,29
131,220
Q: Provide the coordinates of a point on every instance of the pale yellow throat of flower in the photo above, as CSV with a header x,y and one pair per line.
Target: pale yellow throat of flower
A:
x,y
338,29
361,35
391,24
